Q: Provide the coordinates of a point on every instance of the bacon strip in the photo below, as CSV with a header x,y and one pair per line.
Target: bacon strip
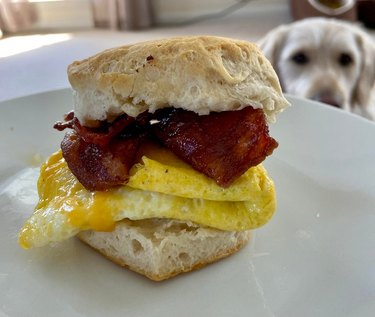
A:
x,y
220,145
99,167
67,123
101,135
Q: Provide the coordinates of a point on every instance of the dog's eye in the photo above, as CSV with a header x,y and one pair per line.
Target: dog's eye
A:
x,y
345,59
300,58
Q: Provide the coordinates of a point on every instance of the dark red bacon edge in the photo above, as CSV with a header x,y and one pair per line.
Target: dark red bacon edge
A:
x,y
99,167
101,135
220,145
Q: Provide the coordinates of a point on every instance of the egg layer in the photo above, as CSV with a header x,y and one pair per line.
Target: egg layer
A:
x,y
160,186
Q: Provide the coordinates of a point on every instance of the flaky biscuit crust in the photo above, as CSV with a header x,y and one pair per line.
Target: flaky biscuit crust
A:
x,y
197,73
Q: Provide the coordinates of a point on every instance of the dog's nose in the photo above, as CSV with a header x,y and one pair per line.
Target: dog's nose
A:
x,y
327,97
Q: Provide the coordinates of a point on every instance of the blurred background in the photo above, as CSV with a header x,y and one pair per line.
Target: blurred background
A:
x,y
36,16
39,38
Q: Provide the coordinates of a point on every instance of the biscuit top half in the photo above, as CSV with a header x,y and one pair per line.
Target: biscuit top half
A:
x,y
198,73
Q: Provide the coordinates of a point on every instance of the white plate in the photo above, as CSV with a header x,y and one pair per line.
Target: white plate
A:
x,y
315,258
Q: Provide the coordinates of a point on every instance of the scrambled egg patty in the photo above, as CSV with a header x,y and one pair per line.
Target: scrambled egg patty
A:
x,y
160,186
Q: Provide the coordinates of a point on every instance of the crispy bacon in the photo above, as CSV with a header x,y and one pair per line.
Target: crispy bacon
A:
x,y
101,135
67,123
99,167
220,145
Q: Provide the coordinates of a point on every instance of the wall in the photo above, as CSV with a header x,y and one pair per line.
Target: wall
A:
x,y
169,11
77,14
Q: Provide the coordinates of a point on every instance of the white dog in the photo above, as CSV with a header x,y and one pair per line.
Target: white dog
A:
x,y
326,60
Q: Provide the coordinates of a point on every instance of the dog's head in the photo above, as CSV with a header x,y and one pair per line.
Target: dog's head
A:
x,y
323,59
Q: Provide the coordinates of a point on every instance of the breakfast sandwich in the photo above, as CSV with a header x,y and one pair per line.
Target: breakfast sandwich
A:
x,y
160,166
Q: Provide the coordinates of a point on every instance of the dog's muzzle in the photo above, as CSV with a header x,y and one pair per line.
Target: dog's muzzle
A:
x,y
329,98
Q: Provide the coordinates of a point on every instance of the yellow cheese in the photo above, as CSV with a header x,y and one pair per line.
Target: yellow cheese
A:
x,y
65,207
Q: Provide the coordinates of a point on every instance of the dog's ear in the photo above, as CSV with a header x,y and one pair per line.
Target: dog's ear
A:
x,y
366,81
271,43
